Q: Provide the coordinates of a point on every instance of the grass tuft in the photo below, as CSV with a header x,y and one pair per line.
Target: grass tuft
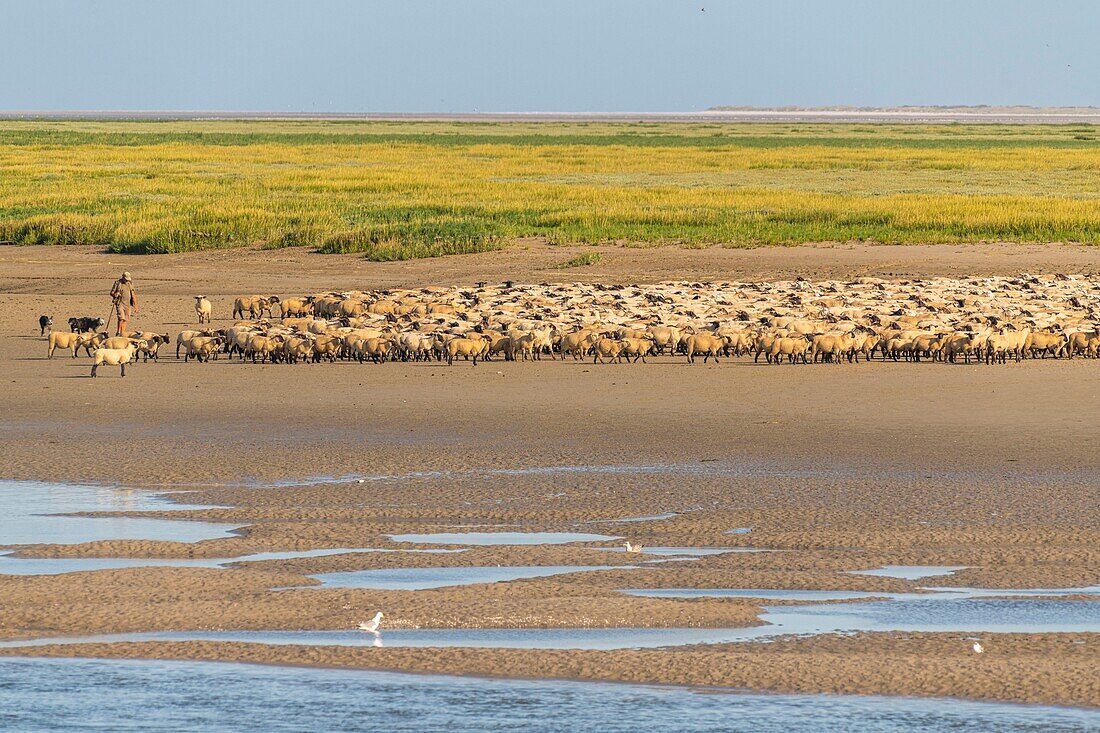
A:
x,y
582,260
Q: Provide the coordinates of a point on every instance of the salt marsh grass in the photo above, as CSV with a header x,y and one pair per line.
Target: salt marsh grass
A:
x,y
399,190
582,260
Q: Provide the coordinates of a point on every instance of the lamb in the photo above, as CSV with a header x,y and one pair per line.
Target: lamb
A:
x,y
119,357
201,348
153,343
203,308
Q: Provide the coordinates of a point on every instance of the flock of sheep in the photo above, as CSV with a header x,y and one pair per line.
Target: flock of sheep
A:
x,y
942,319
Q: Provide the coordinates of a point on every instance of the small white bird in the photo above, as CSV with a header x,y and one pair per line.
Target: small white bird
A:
x,y
372,625
632,547
978,648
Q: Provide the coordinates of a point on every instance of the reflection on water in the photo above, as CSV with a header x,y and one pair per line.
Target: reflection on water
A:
x,y
38,695
426,578
910,572
28,512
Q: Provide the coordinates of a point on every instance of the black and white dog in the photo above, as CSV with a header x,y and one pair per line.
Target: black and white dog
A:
x,y
44,322
85,324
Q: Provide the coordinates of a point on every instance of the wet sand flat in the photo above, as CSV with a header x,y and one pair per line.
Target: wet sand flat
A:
x,y
834,468
1029,669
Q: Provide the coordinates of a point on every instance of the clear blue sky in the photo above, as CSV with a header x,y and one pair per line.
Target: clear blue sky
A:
x,y
527,55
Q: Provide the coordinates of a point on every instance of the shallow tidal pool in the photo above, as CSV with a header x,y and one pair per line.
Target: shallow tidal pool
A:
x,y
202,697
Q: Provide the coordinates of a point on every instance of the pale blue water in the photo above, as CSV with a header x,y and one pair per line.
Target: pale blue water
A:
x,y
910,572
426,578
959,615
501,538
798,594
10,565
28,509
81,695
570,638
692,552
767,594
964,615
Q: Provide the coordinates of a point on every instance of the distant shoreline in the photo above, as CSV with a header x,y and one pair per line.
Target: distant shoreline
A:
x,y
926,115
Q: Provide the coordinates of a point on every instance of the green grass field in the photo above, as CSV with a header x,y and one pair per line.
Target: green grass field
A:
x,y
399,190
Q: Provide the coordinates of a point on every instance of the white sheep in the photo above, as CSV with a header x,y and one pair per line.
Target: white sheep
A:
x,y
119,357
204,308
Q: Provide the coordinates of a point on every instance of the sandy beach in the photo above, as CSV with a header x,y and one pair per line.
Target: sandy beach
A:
x,y
834,469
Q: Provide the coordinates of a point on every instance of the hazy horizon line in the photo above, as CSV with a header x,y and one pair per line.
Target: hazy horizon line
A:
x,y
1006,114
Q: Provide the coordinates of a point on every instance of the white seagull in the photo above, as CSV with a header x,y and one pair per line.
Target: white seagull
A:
x,y
633,548
978,648
372,625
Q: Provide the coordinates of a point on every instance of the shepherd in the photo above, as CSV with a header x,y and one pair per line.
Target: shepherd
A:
x,y
125,298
